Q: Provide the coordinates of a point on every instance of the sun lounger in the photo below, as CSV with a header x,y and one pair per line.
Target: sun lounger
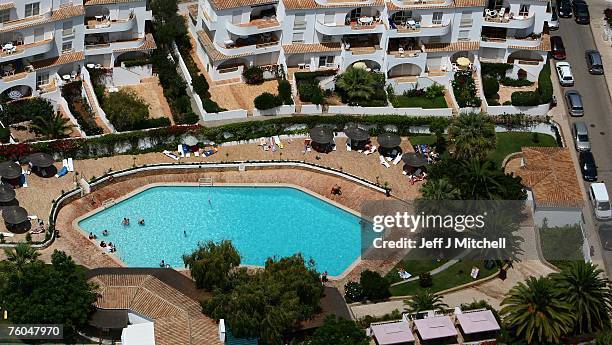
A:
x,y
7,234
65,162
474,273
70,165
397,159
179,148
383,161
404,275
34,217
196,153
348,147
171,155
371,150
209,153
23,179
63,171
262,142
277,141
38,230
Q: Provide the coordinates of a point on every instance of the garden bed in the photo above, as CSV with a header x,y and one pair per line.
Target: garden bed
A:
x,y
79,108
465,90
561,245
419,102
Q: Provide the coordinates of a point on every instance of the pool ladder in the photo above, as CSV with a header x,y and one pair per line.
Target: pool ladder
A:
x,y
205,182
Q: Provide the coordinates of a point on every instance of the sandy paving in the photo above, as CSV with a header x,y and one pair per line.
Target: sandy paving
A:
x,y
505,92
153,94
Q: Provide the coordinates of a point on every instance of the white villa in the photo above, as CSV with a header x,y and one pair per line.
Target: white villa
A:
x,y
44,42
409,40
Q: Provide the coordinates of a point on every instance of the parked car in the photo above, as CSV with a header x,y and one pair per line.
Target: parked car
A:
x,y
564,8
564,71
605,234
581,13
594,62
557,48
574,103
598,195
587,166
581,136
553,23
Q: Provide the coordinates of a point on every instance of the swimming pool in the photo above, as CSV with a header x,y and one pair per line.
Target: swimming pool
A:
x,y
261,222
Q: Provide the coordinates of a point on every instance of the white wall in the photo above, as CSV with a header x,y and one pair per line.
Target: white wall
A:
x,y
348,110
130,76
557,216
540,110
226,115
282,110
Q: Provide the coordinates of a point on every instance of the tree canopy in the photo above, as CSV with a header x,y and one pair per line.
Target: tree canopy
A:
x,y
125,110
472,136
338,331
211,264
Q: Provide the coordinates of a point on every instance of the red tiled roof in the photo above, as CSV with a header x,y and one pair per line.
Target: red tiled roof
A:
x,y
62,13
312,48
107,2
7,5
59,60
226,4
147,44
452,47
307,4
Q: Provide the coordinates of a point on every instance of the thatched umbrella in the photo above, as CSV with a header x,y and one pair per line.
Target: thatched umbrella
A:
x,y
14,214
356,134
10,170
190,140
7,193
41,159
322,135
389,140
414,160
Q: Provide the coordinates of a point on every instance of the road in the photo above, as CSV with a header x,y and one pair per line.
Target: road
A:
x,y
596,98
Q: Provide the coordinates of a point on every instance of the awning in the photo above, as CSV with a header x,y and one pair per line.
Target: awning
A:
x,y
356,134
322,135
109,318
10,170
392,333
190,140
41,160
436,327
14,214
478,321
7,193
389,140
414,159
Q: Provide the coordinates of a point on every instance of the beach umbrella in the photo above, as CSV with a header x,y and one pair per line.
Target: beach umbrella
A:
x,y
356,134
463,62
10,170
7,193
14,214
389,140
322,135
190,140
41,160
414,160
360,65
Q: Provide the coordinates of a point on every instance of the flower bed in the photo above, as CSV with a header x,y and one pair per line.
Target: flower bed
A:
x,y
465,91
79,107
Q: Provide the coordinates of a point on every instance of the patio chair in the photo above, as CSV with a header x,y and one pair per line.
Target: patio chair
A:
x,y
397,159
383,162
501,13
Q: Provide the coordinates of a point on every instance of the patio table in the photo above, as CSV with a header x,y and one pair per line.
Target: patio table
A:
x,y
366,20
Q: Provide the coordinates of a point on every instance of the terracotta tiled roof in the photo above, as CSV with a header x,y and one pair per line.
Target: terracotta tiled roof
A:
x,y
107,2
147,44
307,4
226,4
178,318
457,3
59,60
7,5
470,3
211,51
452,47
62,13
312,48
543,46
549,172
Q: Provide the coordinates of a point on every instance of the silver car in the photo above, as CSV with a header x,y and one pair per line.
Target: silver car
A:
x,y
574,103
581,136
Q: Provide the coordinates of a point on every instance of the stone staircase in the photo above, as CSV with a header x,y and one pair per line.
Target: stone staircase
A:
x,y
90,96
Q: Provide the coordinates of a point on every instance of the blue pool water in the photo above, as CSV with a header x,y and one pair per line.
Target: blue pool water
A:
x,y
261,222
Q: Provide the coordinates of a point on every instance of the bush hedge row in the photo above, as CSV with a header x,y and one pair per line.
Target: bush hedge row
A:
x,y
515,82
542,95
497,70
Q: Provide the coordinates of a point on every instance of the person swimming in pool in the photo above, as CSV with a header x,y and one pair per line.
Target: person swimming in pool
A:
x,y
104,232
141,222
162,264
184,233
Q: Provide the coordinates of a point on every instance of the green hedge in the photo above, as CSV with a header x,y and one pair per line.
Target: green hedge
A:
x,y
525,98
497,70
267,101
545,87
515,82
490,86
313,75
284,92
5,135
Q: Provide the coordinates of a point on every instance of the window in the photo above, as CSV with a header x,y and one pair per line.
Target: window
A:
x,y
32,9
437,18
466,19
402,17
464,35
5,16
329,18
67,28
67,47
299,21
524,11
298,37
326,61
326,39
42,78
39,34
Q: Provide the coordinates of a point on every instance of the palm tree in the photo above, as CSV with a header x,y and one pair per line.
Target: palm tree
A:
x,y
533,313
357,83
472,136
439,189
21,255
580,285
425,300
480,180
51,125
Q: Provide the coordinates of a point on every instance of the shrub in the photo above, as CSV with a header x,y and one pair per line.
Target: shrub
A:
x,y
507,103
353,292
525,98
425,279
136,62
490,87
266,101
521,74
515,82
545,88
200,86
310,91
435,90
497,70
125,110
5,135
375,287
464,89
253,75
211,106
26,109
284,92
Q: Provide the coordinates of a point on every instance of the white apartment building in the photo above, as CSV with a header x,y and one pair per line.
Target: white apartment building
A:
x,y
409,40
46,41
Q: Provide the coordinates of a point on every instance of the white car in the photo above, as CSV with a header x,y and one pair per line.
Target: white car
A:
x,y
564,71
598,195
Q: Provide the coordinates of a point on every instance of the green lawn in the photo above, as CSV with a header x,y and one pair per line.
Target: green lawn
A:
x,y
419,102
414,263
457,274
561,245
509,142
423,139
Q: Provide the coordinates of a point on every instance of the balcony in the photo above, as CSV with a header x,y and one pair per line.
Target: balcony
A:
x,y
252,45
417,29
504,43
102,47
502,19
421,3
28,21
331,29
17,78
25,50
101,25
255,26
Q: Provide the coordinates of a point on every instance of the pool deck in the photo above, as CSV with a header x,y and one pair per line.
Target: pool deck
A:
x,y
37,198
